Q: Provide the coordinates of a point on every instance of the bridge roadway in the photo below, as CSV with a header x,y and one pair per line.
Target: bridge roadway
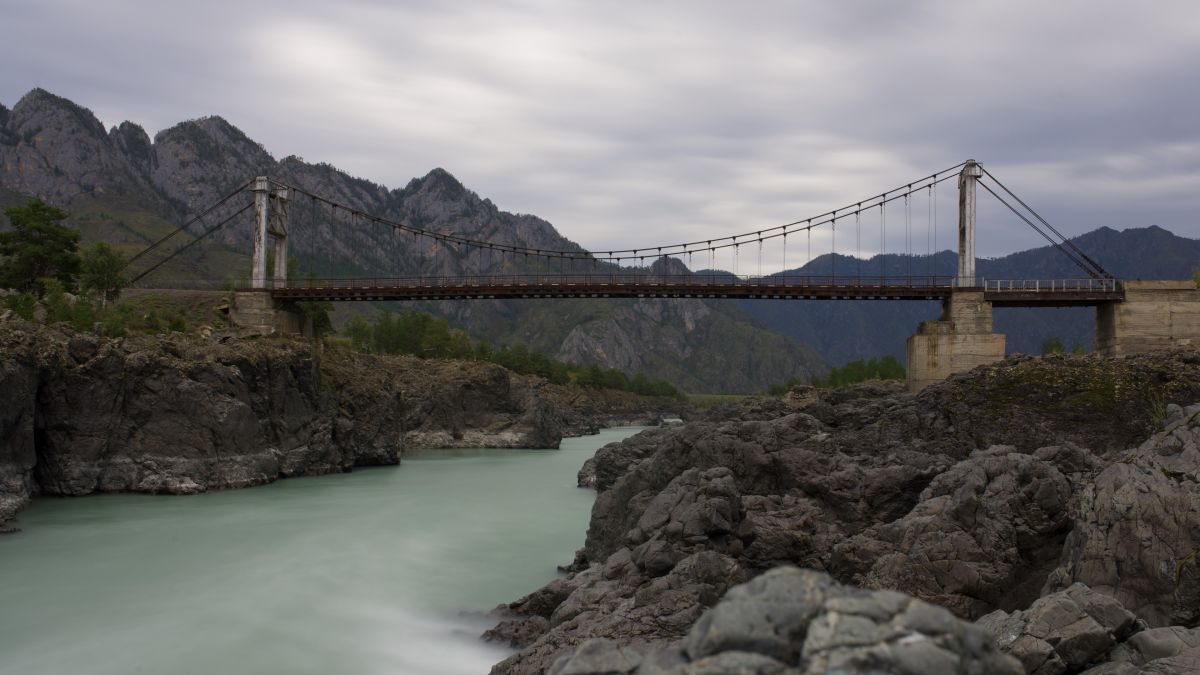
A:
x,y
1001,293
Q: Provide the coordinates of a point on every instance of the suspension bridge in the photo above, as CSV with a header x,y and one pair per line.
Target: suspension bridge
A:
x,y
496,269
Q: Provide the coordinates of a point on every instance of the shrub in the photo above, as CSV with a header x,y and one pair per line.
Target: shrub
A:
x,y
1052,345
884,368
22,304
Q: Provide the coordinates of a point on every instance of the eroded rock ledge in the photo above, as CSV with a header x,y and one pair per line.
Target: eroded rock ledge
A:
x,y
181,414
1025,482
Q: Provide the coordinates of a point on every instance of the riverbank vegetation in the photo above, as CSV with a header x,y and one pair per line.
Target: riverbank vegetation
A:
x,y
1054,345
883,368
420,334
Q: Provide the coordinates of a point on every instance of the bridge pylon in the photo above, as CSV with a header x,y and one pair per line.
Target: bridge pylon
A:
x,y
967,179
270,218
255,308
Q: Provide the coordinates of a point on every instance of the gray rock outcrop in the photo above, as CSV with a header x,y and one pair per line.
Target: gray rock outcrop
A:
x,y
982,535
1061,632
799,621
1080,630
1136,534
179,414
1171,649
982,494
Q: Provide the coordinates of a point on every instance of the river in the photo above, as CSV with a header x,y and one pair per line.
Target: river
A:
x,y
367,572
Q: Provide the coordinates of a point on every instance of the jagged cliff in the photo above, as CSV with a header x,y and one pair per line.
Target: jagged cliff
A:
x,y
123,187
183,414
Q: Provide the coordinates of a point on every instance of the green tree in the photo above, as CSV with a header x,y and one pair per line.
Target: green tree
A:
x,y
483,351
1052,345
884,368
38,247
101,271
358,330
890,369
592,376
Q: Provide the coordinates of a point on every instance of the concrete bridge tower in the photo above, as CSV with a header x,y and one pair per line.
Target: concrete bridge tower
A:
x,y
962,337
255,308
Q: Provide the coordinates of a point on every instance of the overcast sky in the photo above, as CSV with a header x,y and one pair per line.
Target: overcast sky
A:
x,y
639,123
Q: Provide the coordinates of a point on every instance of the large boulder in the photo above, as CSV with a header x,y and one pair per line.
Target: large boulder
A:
x,y
1136,530
1061,632
1171,649
801,621
613,601
983,536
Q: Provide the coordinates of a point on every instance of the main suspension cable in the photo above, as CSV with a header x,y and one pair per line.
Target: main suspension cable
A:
x,y
616,255
1095,265
193,242
187,224
1082,265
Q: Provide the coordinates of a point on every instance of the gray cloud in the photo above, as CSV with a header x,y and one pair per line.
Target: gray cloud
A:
x,y
629,124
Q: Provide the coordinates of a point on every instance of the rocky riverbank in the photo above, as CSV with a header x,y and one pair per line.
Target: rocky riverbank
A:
x,y
183,414
1056,501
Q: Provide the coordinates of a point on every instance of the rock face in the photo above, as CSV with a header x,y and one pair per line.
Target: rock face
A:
x,y
1137,527
176,414
799,621
974,536
1082,630
981,495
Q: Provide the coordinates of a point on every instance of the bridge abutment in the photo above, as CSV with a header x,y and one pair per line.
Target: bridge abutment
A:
x,y
1154,315
258,311
955,343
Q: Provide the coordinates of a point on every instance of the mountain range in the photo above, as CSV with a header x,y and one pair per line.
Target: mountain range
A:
x,y
121,186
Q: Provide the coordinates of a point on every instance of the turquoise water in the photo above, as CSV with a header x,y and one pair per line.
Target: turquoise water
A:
x,y
367,572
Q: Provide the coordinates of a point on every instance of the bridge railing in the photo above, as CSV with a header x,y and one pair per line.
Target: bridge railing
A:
x,y
1050,285
627,279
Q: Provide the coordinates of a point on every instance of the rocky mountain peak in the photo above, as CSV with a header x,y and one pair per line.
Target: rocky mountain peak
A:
x,y
667,265
200,160
133,140
443,186
212,138
6,137
40,110
60,152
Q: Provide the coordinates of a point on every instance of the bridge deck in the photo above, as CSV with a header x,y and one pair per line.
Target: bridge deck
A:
x,y
1052,294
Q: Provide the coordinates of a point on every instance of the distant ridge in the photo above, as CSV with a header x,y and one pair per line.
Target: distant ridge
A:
x,y
849,330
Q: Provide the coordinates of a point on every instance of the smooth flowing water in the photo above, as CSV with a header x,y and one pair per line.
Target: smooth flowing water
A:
x,y
367,572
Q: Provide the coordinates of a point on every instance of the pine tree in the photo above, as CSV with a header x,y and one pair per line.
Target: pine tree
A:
x,y
38,247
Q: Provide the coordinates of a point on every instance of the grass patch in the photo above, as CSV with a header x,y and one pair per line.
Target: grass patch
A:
x,y
193,308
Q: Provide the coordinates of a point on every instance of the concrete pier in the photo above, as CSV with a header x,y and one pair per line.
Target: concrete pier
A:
x,y
257,310
957,342
1154,315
